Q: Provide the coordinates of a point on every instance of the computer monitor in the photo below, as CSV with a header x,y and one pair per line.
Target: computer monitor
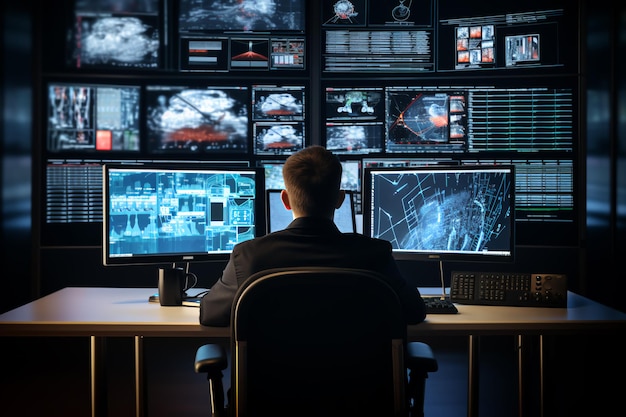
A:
x,y
241,16
93,118
177,213
278,217
186,120
115,34
455,213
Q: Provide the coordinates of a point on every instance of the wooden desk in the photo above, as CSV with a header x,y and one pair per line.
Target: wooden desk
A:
x,y
99,313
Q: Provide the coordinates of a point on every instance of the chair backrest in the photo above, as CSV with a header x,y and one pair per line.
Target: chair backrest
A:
x,y
317,341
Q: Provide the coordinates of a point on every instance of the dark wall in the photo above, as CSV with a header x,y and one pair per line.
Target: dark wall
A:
x,y
605,243
16,152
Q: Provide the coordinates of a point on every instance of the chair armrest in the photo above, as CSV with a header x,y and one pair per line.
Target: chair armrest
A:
x,y
420,357
210,358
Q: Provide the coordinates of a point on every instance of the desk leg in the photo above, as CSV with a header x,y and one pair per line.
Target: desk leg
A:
x,y
520,375
473,376
527,388
139,377
541,376
98,376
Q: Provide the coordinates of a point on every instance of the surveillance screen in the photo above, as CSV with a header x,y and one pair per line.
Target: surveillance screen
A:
x,y
197,120
444,210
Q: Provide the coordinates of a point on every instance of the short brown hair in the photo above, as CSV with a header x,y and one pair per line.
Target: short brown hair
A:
x,y
313,179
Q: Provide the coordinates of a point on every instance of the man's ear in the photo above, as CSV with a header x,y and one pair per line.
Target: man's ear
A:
x,y
342,196
284,196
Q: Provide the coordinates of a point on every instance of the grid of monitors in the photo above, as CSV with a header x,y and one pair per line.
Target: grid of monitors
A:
x,y
248,35
189,120
464,119
122,34
167,119
443,116
175,214
429,36
358,37
462,213
93,117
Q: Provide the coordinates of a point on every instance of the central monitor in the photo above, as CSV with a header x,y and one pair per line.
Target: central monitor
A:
x,y
278,217
456,213
178,213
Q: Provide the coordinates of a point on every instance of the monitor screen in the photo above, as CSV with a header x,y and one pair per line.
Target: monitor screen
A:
x,y
354,118
513,36
278,217
88,118
241,16
167,214
278,119
122,34
462,213
350,175
186,120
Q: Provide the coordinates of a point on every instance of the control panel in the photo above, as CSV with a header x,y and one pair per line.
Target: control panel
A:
x,y
509,289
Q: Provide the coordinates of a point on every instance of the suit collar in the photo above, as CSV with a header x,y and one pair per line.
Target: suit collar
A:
x,y
318,223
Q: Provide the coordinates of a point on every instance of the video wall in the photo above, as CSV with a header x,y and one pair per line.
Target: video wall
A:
x,y
247,83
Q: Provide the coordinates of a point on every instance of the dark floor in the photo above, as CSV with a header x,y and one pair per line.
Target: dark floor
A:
x,y
52,374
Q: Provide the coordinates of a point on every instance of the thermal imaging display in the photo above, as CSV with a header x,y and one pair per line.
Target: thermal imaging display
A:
x,y
120,34
197,120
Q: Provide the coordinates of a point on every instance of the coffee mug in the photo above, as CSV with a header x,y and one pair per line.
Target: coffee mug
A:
x,y
172,286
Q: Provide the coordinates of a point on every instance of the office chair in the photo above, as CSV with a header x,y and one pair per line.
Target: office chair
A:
x,y
317,341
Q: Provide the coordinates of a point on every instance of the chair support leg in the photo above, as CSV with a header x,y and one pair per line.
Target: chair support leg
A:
x,y
417,390
216,394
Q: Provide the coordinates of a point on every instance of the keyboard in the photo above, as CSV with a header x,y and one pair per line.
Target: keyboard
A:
x,y
435,305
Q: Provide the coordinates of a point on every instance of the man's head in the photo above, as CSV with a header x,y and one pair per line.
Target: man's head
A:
x,y
312,183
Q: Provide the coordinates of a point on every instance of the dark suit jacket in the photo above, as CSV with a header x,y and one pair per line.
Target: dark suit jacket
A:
x,y
306,242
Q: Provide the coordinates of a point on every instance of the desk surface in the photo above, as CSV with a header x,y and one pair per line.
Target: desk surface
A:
x,y
93,311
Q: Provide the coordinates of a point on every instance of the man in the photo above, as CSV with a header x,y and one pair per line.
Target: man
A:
x,y
312,192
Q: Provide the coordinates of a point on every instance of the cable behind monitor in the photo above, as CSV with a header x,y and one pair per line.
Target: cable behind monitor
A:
x,y
443,285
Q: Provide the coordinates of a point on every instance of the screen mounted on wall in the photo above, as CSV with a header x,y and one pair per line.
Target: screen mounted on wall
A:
x,y
278,119
354,119
93,118
191,120
121,34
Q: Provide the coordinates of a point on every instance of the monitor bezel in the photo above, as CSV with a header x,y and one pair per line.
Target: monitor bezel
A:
x,y
174,258
438,255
